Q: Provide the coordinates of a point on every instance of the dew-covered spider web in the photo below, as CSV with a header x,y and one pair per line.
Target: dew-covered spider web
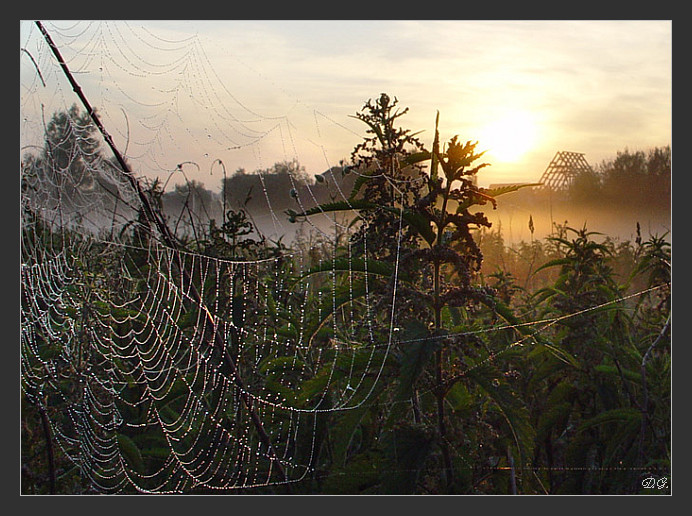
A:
x,y
181,350
207,365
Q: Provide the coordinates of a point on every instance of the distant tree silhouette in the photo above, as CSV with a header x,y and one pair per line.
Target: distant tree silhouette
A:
x,y
66,165
637,177
586,188
632,178
271,186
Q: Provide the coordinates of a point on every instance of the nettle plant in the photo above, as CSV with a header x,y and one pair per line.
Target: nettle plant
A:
x,y
414,224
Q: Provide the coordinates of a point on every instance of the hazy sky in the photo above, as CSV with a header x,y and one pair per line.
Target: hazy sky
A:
x,y
250,93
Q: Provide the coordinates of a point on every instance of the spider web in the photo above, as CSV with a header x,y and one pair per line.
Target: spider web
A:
x,y
177,370
142,343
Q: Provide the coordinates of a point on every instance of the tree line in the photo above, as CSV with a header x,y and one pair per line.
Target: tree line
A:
x,y
631,179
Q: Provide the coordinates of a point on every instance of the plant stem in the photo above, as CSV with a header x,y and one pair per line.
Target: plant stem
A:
x,y
440,394
439,354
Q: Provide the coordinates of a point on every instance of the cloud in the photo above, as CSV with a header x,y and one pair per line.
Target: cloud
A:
x,y
594,84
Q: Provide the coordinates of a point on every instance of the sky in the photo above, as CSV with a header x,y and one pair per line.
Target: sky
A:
x,y
223,94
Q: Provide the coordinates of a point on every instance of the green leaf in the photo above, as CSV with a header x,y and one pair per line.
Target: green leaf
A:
x,y
345,366
346,424
529,331
502,190
557,408
278,371
336,206
504,311
313,387
634,376
360,181
415,220
343,430
542,345
345,264
271,304
415,356
553,418
485,195
459,398
288,331
342,295
415,157
375,129
420,223
491,381
554,263
280,364
618,415
131,452
434,162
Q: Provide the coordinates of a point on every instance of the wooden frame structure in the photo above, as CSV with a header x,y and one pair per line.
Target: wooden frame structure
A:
x,y
562,170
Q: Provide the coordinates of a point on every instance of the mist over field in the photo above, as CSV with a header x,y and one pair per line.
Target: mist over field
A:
x,y
265,199
512,220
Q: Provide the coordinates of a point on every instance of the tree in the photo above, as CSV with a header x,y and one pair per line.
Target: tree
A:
x,y
585,188
264,189
66,168
638,178
193,201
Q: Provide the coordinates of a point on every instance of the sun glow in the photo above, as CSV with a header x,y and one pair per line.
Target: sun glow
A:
x,y
509,137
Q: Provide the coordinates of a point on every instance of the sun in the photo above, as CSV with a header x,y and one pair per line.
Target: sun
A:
x,y
509,137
